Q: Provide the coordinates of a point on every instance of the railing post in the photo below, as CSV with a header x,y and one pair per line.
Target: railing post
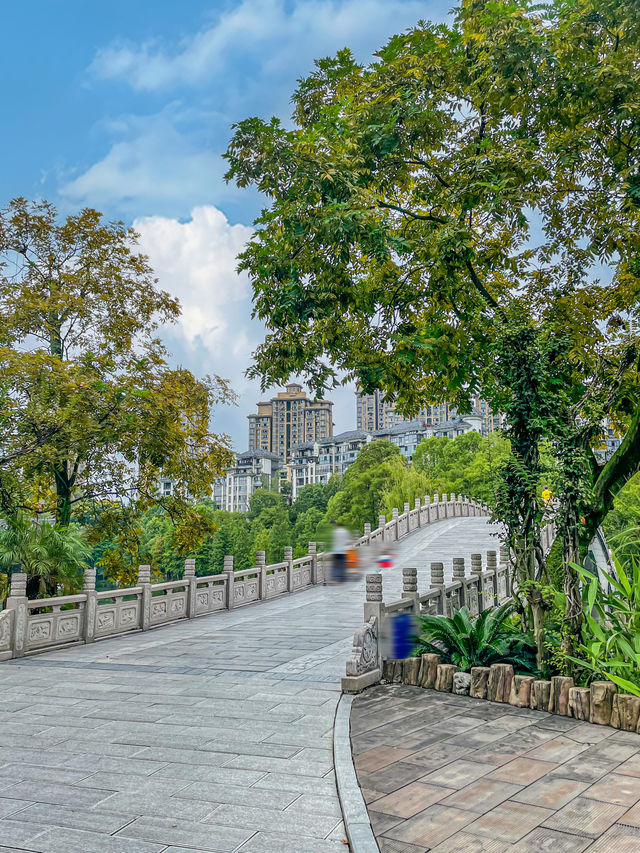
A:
x,y
410,587
191,583
492,566
382,521
458,575
437,580
91,605
446,506
427,504
373,606
436,501
367,531
417,504
288,559
394,517
144,580
476,569
313,553
17,601
228,571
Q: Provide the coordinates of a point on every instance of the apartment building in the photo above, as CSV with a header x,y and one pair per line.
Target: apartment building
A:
x,y
288,419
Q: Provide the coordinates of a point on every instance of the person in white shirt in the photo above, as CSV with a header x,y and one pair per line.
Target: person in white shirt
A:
x,y
340,546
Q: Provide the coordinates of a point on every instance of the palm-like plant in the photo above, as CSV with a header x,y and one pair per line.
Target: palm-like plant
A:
x,y
467,641
51,556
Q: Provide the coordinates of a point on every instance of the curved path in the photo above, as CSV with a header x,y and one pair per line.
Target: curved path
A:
x,y
212,734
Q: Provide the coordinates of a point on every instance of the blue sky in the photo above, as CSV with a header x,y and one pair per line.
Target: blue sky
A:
x,y
127,107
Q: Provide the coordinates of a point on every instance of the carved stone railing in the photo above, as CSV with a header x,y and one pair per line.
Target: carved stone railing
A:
x,y
31,626
488,584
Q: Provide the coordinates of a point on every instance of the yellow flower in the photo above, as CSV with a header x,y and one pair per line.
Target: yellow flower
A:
x,y
546,495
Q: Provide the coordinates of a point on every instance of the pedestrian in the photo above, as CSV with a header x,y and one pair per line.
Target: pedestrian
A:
x,y
340,546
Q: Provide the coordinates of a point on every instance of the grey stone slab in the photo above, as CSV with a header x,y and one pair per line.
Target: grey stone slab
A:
x,y
269,842
542,840
91,820
9,807
282,765
586,817
222,839
316,804
17,833
65,840
176,755
64,795
134,782
297,784
31,772
154,804
301,825
109,764
184,774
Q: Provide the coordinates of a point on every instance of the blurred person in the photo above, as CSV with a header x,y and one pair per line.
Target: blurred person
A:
x,y
340,545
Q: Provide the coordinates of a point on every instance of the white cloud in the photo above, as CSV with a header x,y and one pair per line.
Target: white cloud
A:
x,y
271,32
196,261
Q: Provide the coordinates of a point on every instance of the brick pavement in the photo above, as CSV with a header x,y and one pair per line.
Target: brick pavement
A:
x,y
450,774
212,734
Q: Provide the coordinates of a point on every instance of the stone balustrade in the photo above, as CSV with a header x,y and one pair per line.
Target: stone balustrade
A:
x,y
31,626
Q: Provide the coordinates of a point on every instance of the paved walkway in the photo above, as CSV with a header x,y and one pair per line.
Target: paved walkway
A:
x,y
450,774
208,735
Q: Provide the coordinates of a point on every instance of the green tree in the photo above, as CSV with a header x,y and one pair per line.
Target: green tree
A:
x,y
94,415
398,245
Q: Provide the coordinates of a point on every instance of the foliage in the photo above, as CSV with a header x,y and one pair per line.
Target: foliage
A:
x,y
92,414
611,630
468,464
467,641
464,212
52,557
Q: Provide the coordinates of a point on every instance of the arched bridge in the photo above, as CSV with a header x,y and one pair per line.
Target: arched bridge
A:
x,y
210,734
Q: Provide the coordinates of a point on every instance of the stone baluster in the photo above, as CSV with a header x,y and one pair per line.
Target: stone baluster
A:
x,y
17,601
417,505
436,514
144,581
394,529
229,572
367,531
437,580
410,587
492,566
476,569
190,579
313,553
90,607
458,576
427,509
374,608
288,559
381,524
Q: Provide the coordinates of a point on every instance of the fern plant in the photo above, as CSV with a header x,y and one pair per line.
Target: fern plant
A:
x,y
468,641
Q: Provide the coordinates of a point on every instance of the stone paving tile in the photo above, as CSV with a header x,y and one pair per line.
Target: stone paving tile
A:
x,y
431,826
551,792
158,805
558,750
269,842
394,776
74,818
549,841
522,771
388,845
615,788
64,795
65,840
272,820
9,807
375,759
463,842
413,798
162,829
630,767
632,817
458,773
481,796
618,839
585,817
380,822
509,821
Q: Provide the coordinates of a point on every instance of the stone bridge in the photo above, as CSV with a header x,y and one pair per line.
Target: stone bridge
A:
x,y
208,734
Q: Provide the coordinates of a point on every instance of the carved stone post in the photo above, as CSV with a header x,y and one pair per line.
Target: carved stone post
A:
x,y
17,601
144,581
228,571
381,524
410,587
374,607
437,580
190,578
458,576
313,553
394,518
288,559
476,569
436,501
367,531
90,607
427,510
417,505
492,566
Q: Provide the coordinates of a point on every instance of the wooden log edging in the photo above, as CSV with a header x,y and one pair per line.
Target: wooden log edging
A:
x,y
600,703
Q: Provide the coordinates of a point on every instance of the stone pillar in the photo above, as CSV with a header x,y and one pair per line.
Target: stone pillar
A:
x,y
458,577
228,571
444,677
428,670
313,553
437,580
381,525
520,695
406,507
418,506
410,587
492,566
479,682
367,531
90,607
144,581
394,529
17,601
190,579
288,559
427,509
625,712
580,703
540,695
436,504
374,607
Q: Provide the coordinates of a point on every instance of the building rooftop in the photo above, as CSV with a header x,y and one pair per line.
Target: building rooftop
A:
x,y
398,429
454,423
349,435
258,454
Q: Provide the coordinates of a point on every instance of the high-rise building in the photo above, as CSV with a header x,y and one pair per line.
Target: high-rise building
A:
x,y
289,419
257,469
373,414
